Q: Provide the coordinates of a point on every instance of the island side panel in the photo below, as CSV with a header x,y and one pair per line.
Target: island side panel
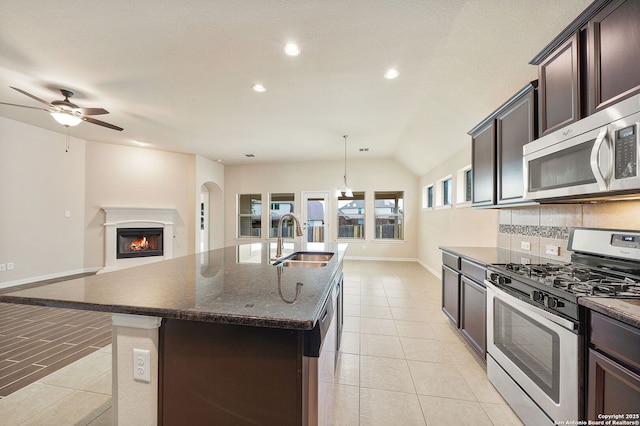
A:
x,y
225,374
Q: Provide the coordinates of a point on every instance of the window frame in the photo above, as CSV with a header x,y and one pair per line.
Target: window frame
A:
x,y
463,191
288,222
428,197
251,215
398,214
440,192
362,214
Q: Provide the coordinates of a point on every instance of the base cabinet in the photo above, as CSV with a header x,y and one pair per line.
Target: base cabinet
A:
x,y
613,369
473,304
464,299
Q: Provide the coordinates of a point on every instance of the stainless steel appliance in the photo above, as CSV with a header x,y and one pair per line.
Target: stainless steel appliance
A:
x,y
595,157
535,329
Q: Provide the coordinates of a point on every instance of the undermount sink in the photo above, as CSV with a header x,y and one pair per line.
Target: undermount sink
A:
x,y
305,259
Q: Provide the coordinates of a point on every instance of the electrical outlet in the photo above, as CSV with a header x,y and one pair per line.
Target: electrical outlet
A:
x,y
67,213
10,266
552,250
525,245
525,261
142,365
3,267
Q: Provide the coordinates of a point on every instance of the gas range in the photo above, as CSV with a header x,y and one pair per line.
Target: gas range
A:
x,y
605,263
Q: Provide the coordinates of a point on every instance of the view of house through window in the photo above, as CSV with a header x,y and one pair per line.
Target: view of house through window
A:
x,y
249,215
280,204
351,216
389,211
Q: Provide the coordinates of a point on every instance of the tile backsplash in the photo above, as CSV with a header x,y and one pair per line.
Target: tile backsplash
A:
x,y
535,229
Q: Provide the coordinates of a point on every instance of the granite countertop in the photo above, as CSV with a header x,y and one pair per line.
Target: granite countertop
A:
x,y
625,310
232,285
493,255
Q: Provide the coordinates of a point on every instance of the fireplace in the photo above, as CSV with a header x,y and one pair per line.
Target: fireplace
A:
x,y
139,242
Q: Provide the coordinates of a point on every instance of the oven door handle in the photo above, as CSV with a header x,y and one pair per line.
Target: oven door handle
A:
x,y
526,307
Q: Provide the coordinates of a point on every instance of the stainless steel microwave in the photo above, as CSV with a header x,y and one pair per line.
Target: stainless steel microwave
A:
x,y
595,157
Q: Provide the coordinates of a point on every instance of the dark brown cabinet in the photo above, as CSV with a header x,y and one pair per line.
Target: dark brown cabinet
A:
x,y
515,127
614,62
559,87
496,150
473,317
483,164
464,299
591,65
613,378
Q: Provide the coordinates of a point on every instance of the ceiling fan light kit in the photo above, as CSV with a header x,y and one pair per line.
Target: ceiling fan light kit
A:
x,y
66,118
67,113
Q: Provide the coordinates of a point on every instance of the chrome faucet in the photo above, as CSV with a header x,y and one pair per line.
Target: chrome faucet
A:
x,y
298,232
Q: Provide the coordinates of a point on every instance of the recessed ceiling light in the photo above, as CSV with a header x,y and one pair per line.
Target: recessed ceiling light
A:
x,y
292,49
391,74
259,88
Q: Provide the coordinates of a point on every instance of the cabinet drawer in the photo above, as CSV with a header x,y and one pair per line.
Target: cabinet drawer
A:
x,y
451,260
473,270
616,338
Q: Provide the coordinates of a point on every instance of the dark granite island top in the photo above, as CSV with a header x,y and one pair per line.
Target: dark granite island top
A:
x,y
233,285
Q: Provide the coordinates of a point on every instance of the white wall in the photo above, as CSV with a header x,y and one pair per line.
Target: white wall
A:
x,y
39,181
122,176
363,175
455,226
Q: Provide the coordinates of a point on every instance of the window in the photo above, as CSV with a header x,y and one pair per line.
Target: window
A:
x,y
249,215
464,187
446,192
389,212
280,204
351,216
427,197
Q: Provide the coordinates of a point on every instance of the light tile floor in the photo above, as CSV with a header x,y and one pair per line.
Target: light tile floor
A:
x,y
401,363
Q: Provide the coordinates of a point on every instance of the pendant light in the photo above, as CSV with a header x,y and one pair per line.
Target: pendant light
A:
x,y
345,188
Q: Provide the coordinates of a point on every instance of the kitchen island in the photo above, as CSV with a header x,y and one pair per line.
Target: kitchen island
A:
x,y
231,338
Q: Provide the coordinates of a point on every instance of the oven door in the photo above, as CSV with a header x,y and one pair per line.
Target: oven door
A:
x,y
537,350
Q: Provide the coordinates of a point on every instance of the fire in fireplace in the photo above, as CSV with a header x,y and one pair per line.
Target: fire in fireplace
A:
x,y
139,242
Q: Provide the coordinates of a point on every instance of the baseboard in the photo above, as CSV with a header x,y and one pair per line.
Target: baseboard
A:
x,y
436,272
47,277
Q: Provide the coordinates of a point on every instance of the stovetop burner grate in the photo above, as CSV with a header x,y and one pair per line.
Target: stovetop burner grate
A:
x,y
577,279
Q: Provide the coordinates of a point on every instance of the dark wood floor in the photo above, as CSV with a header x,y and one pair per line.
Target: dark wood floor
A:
x,y
35,341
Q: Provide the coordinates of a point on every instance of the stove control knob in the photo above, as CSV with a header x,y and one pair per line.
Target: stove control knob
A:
x,y
537,296
553,302
504,280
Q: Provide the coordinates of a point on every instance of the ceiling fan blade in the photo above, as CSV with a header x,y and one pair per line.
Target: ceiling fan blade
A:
x,y
33,97
25,106
101,123
93,111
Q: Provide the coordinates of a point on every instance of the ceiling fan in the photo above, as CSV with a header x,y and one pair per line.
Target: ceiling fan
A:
x,y
65,112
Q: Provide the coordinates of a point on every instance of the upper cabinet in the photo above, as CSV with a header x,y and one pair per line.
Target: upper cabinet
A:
x,y
496,150
591,65
614,59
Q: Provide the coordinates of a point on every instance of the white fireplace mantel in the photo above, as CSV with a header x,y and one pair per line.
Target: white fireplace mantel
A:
x,y
136,217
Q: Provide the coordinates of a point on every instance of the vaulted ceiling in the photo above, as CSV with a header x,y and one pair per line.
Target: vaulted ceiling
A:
x,y
178,75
